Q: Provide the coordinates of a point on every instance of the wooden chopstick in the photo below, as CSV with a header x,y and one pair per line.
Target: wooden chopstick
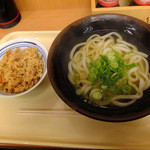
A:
x,y
52,112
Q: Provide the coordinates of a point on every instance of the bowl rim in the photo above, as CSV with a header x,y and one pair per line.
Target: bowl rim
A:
x,y
34,41
60,93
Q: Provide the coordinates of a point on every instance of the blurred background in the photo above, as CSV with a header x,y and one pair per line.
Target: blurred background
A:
x,y
58,4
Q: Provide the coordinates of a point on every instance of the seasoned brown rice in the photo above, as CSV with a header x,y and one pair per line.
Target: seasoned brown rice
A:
x,y
20,70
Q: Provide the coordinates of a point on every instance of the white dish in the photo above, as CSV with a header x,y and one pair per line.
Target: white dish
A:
x,y
23,43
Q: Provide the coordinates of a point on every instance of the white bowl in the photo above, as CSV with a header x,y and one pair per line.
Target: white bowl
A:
x,y
23,43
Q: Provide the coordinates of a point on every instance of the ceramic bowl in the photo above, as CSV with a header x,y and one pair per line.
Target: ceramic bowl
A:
x,y
23,43
132,30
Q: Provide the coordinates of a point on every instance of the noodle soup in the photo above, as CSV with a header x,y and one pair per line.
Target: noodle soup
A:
x,y
108,70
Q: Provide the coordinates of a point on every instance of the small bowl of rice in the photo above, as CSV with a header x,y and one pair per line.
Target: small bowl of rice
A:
x,y
23,66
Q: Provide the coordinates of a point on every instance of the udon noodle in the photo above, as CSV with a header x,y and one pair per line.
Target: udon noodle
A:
x,y
108,70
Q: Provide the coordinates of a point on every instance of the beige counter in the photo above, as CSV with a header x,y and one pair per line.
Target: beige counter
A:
x,y
41,20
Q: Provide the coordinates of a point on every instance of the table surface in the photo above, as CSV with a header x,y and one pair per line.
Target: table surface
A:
x,y
44,20
57,20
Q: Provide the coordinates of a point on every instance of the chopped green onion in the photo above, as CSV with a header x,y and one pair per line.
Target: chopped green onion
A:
x,y
108,69
113,50
97,63
114,76
97,95
111,56
126,88
90,58
104,59
111,68
134,90
127,81
92,77
114,64
76,76
131,66
117,90
78,91
103,63
104,87
130,52
85,100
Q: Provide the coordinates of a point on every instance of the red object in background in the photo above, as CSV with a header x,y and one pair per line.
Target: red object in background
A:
x,y
9,14
141,2
108,3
